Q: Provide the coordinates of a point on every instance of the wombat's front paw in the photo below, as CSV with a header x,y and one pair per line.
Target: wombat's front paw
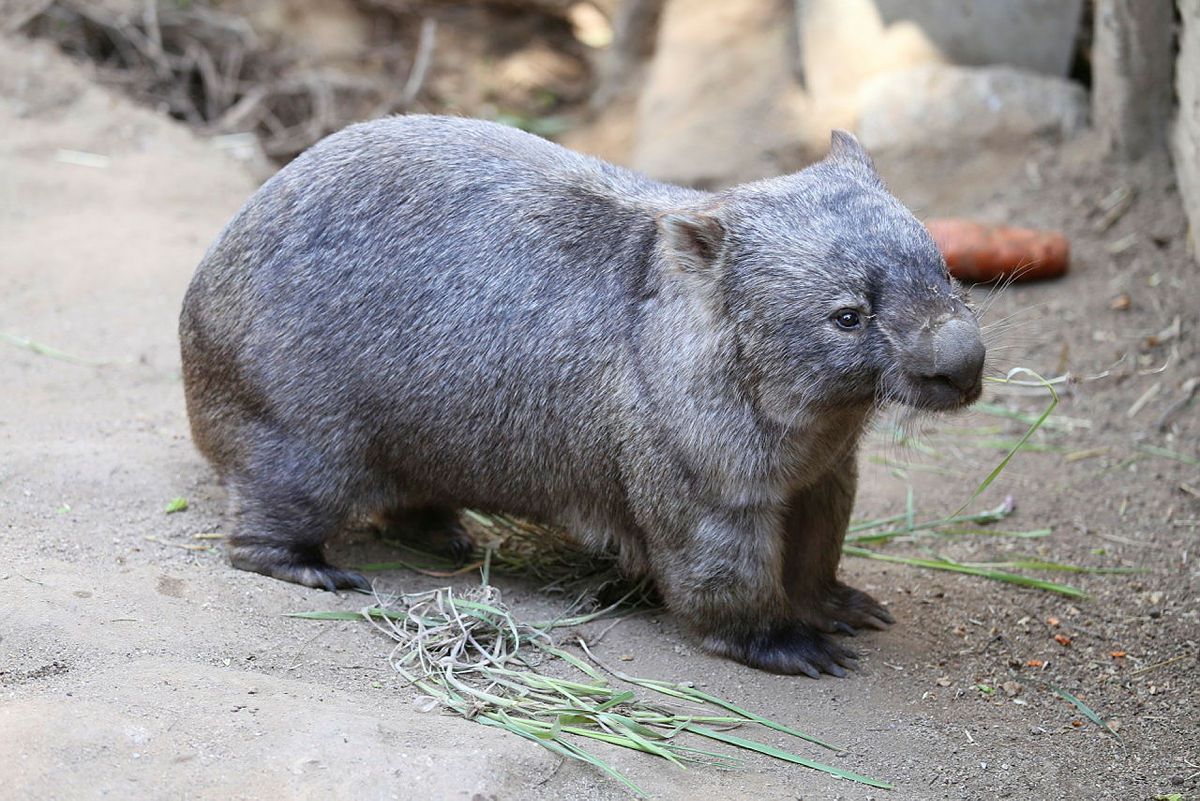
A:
x,y
299,567
788,648
457,544
848,609
430,529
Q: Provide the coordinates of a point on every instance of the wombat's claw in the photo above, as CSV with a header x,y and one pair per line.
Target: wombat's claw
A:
x,y
334,578
298,568
841,628
793,648
848,608
459,547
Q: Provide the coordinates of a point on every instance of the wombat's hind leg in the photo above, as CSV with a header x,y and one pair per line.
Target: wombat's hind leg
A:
x,y
279,532
429,528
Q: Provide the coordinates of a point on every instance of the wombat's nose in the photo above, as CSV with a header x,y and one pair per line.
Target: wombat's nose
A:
x,y
958,353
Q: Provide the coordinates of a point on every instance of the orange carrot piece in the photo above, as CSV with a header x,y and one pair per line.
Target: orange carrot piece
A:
x,y
979,253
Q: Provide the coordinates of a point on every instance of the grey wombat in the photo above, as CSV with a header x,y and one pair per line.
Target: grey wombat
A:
x,y
423,314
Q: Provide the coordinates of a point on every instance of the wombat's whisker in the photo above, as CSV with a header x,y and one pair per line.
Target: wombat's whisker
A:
x,y
1015,338
1015,314
1000,288
993,294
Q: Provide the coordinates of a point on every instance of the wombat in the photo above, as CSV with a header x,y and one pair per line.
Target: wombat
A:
x,y
423,314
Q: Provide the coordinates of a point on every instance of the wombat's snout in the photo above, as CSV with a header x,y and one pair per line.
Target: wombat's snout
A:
x,y
947,362
958,354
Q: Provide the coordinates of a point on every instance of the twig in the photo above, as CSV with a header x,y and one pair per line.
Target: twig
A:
x,y
425,47
1164,663
1188,391
1145,398
613,625
1115,205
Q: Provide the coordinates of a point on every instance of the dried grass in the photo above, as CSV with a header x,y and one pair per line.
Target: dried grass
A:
x,y
211,70
467,653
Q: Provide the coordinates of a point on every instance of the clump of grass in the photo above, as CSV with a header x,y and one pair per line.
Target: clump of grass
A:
x,y
468,654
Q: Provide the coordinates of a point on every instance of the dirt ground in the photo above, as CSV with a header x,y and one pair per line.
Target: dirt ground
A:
x,y
133,665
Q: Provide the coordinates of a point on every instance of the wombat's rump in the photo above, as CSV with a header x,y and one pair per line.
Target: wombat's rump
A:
x,y
423,314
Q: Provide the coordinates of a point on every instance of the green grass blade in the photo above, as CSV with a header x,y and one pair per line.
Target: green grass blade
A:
x,y
561,748
325,615
386,614
1060,422
1087,711
994,515
619,698
786,756
700,695
640,735
998,469
1168,454
1042,564
687,693
996,575
572,660
867,525
46,350
1036,533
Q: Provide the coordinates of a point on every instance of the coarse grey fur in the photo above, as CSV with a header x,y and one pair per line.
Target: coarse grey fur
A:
x,y
423,314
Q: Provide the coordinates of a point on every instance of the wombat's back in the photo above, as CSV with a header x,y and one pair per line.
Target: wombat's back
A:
x,y
448,298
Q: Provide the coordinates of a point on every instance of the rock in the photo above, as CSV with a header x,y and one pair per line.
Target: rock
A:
x,y
1035,35
1185,139
1131,74
721,104
941,106
846,42
843,44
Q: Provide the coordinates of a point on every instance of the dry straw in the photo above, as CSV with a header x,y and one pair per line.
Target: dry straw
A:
x,y
467,653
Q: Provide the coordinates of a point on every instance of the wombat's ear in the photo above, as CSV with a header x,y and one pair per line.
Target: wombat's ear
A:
x,y
691,240
845,147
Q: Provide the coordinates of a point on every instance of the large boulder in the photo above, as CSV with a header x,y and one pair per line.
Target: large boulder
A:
x,y
1185,138
721,103
1035,35
997,106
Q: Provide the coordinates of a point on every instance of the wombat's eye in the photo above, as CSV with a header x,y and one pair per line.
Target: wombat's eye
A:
x,y
847,318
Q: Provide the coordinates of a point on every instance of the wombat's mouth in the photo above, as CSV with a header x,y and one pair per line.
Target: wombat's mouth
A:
x,y
937,393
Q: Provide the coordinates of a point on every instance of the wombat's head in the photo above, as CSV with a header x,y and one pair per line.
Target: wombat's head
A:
x,y
835,293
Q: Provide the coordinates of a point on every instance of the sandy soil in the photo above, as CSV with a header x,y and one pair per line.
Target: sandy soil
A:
x,y
134,666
